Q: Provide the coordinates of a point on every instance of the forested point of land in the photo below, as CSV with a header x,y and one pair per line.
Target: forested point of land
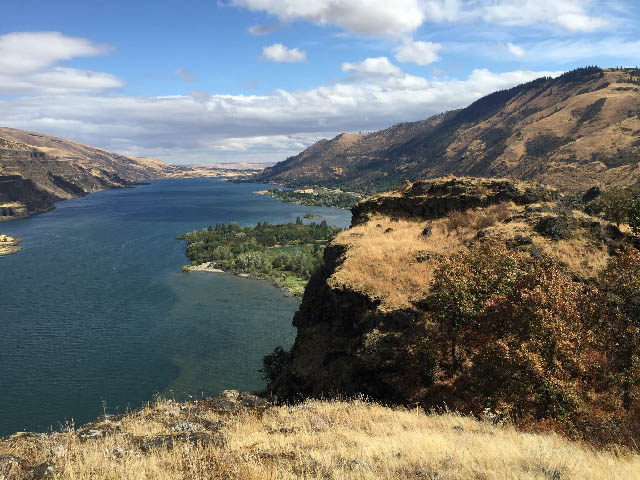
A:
x,y
284,253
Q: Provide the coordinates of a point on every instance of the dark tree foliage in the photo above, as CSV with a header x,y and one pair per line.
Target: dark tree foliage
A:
x,y
273,364
542,144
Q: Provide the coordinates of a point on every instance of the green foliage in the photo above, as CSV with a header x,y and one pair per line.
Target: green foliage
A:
x,y
616,204
633,214
320,197
285,253
462,284
273,364
542,145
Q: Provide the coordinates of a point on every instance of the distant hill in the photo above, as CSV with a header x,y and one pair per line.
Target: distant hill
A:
x,y
36,170
575,131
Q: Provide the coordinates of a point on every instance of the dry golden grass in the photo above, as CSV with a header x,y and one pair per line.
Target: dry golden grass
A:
x,y
384,266
328,440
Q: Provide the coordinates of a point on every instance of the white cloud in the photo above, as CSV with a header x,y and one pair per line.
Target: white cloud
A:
x,y
572,15
375,66
401,17
29,63
206,127
279,53
369,17
516,50
421,53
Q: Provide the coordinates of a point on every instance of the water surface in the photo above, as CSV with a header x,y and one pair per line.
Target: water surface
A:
x,y
95,315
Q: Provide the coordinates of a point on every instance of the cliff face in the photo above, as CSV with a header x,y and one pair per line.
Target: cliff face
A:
x,y
19,197
574,131
362,315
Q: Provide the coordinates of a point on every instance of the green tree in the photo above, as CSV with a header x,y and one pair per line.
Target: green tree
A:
x,y
633,214
616,205
273,364
464,282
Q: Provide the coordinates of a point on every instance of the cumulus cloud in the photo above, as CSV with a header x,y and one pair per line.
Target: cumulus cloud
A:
x,y
401,17
369,17
375,66
516,50
279,53
421,53
205,127
30,63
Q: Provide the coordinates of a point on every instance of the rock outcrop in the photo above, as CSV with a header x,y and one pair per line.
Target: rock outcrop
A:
x,y
363,308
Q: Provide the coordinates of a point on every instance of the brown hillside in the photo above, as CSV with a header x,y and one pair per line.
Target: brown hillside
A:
x,y
36,170
576,131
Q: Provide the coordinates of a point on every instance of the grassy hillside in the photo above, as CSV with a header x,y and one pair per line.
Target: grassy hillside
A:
x,y
575,131
241,437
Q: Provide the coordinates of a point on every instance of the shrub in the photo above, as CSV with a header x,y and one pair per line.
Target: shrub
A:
x,y
273,364
460,219
555,228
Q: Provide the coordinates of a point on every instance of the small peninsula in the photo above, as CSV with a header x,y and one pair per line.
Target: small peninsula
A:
x,y
285,254
9,245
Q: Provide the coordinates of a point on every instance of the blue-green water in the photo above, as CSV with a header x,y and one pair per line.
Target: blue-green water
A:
x,y
94,311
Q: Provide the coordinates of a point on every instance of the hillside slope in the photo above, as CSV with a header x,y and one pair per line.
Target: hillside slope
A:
x,y
575,131
36,170
239,436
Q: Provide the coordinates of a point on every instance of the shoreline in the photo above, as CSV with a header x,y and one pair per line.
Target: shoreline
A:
x,y
210,267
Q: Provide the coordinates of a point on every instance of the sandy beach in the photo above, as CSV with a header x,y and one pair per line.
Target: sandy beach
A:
x,y
205,267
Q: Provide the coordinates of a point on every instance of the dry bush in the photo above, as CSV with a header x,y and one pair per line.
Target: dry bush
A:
x,y
458,220
326,440
479,219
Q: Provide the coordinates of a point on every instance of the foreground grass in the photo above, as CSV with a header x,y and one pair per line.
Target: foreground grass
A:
x,y
314,439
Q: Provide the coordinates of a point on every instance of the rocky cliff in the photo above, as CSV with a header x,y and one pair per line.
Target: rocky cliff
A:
x,y
362,321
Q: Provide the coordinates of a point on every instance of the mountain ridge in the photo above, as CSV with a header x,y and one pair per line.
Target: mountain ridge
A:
x,y
574,131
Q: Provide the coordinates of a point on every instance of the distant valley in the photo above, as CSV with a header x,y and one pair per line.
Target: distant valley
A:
x,y
36,170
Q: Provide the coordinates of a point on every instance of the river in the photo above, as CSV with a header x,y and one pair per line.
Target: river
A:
x,y
95,315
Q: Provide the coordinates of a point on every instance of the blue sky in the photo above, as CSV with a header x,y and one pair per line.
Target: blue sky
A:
x,y
259,80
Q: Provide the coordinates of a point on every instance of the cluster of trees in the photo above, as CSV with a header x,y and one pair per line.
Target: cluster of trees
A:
x,y
517,333
265,250
319,198
618,205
